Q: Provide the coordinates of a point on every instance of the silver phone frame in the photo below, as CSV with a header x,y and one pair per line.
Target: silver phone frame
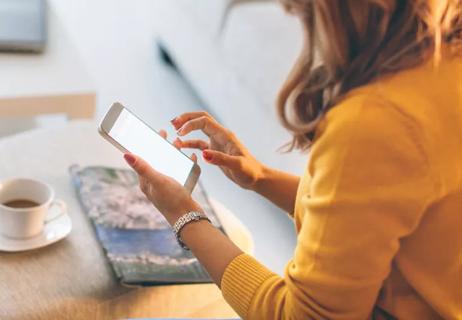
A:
x,y
110,119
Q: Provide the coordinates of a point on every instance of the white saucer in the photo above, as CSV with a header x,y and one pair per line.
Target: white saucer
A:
x,y
53,231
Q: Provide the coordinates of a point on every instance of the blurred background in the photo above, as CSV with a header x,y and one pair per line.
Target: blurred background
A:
x,y
160,58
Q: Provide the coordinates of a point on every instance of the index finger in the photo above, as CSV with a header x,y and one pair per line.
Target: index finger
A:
x,y
206,125
185,117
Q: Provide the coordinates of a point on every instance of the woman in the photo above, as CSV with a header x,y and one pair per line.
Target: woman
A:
x,y
379,209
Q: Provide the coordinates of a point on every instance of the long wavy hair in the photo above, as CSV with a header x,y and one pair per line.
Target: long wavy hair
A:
x,y
350,43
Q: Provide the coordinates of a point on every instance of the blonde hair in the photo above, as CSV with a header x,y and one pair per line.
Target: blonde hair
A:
x,y
349,43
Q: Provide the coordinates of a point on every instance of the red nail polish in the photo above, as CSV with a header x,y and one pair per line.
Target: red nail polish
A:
x,y
207,156
175,123
130,159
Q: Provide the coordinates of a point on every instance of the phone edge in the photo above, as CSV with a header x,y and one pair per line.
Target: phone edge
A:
x,y
193,178
111,116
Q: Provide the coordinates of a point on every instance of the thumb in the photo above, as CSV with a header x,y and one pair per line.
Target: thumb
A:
x,y
221,159
141,167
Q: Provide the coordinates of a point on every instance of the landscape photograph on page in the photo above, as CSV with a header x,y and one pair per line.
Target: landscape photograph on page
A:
x,y
137,240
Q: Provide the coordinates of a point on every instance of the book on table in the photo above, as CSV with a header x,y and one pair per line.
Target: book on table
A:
x,y
137,240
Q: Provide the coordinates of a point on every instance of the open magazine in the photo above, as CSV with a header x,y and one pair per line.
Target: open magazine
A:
x,y
138,241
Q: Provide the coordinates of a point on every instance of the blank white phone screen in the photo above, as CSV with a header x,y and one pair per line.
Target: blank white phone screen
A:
x,y
139,139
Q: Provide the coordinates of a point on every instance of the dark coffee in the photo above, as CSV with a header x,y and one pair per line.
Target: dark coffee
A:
x,y
21,203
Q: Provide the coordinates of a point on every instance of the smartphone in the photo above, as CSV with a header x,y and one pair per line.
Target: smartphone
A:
x,y
130,134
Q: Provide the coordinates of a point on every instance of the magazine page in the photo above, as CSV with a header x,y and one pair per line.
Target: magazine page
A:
x,y
138,241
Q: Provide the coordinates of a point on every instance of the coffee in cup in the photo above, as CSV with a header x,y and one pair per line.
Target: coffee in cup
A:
x,y
21,203
24,206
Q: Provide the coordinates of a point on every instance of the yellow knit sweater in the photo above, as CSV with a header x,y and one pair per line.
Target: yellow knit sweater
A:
x,y
378,211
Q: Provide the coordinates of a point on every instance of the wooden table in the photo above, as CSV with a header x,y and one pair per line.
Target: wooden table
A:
x,y
72,279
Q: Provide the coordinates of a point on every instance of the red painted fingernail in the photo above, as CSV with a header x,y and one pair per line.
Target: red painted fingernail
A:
x,y
175,123
130,159
207,156
177,142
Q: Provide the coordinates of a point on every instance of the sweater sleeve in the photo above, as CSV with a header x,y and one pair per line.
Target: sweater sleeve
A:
x,y
369,188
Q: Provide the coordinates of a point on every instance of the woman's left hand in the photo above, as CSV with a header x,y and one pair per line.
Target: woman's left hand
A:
x,y
211,247
166,194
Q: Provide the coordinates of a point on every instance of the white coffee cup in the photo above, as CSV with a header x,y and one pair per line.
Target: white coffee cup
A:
x,y
26,222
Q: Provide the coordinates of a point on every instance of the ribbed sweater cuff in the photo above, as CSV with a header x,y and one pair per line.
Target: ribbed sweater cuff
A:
x,y
241,280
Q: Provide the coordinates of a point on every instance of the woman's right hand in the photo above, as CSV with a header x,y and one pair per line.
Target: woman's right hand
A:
x,y
223,148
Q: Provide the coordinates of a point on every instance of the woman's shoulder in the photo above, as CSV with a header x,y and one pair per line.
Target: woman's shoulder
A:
x,y
424,97
368,120
366,110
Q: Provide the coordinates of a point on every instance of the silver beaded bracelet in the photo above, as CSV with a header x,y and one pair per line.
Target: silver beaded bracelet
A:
x,y
183,221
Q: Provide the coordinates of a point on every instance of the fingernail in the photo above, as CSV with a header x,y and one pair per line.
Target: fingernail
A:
x,y
174,122
207,156
130,159
177,142
180,131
